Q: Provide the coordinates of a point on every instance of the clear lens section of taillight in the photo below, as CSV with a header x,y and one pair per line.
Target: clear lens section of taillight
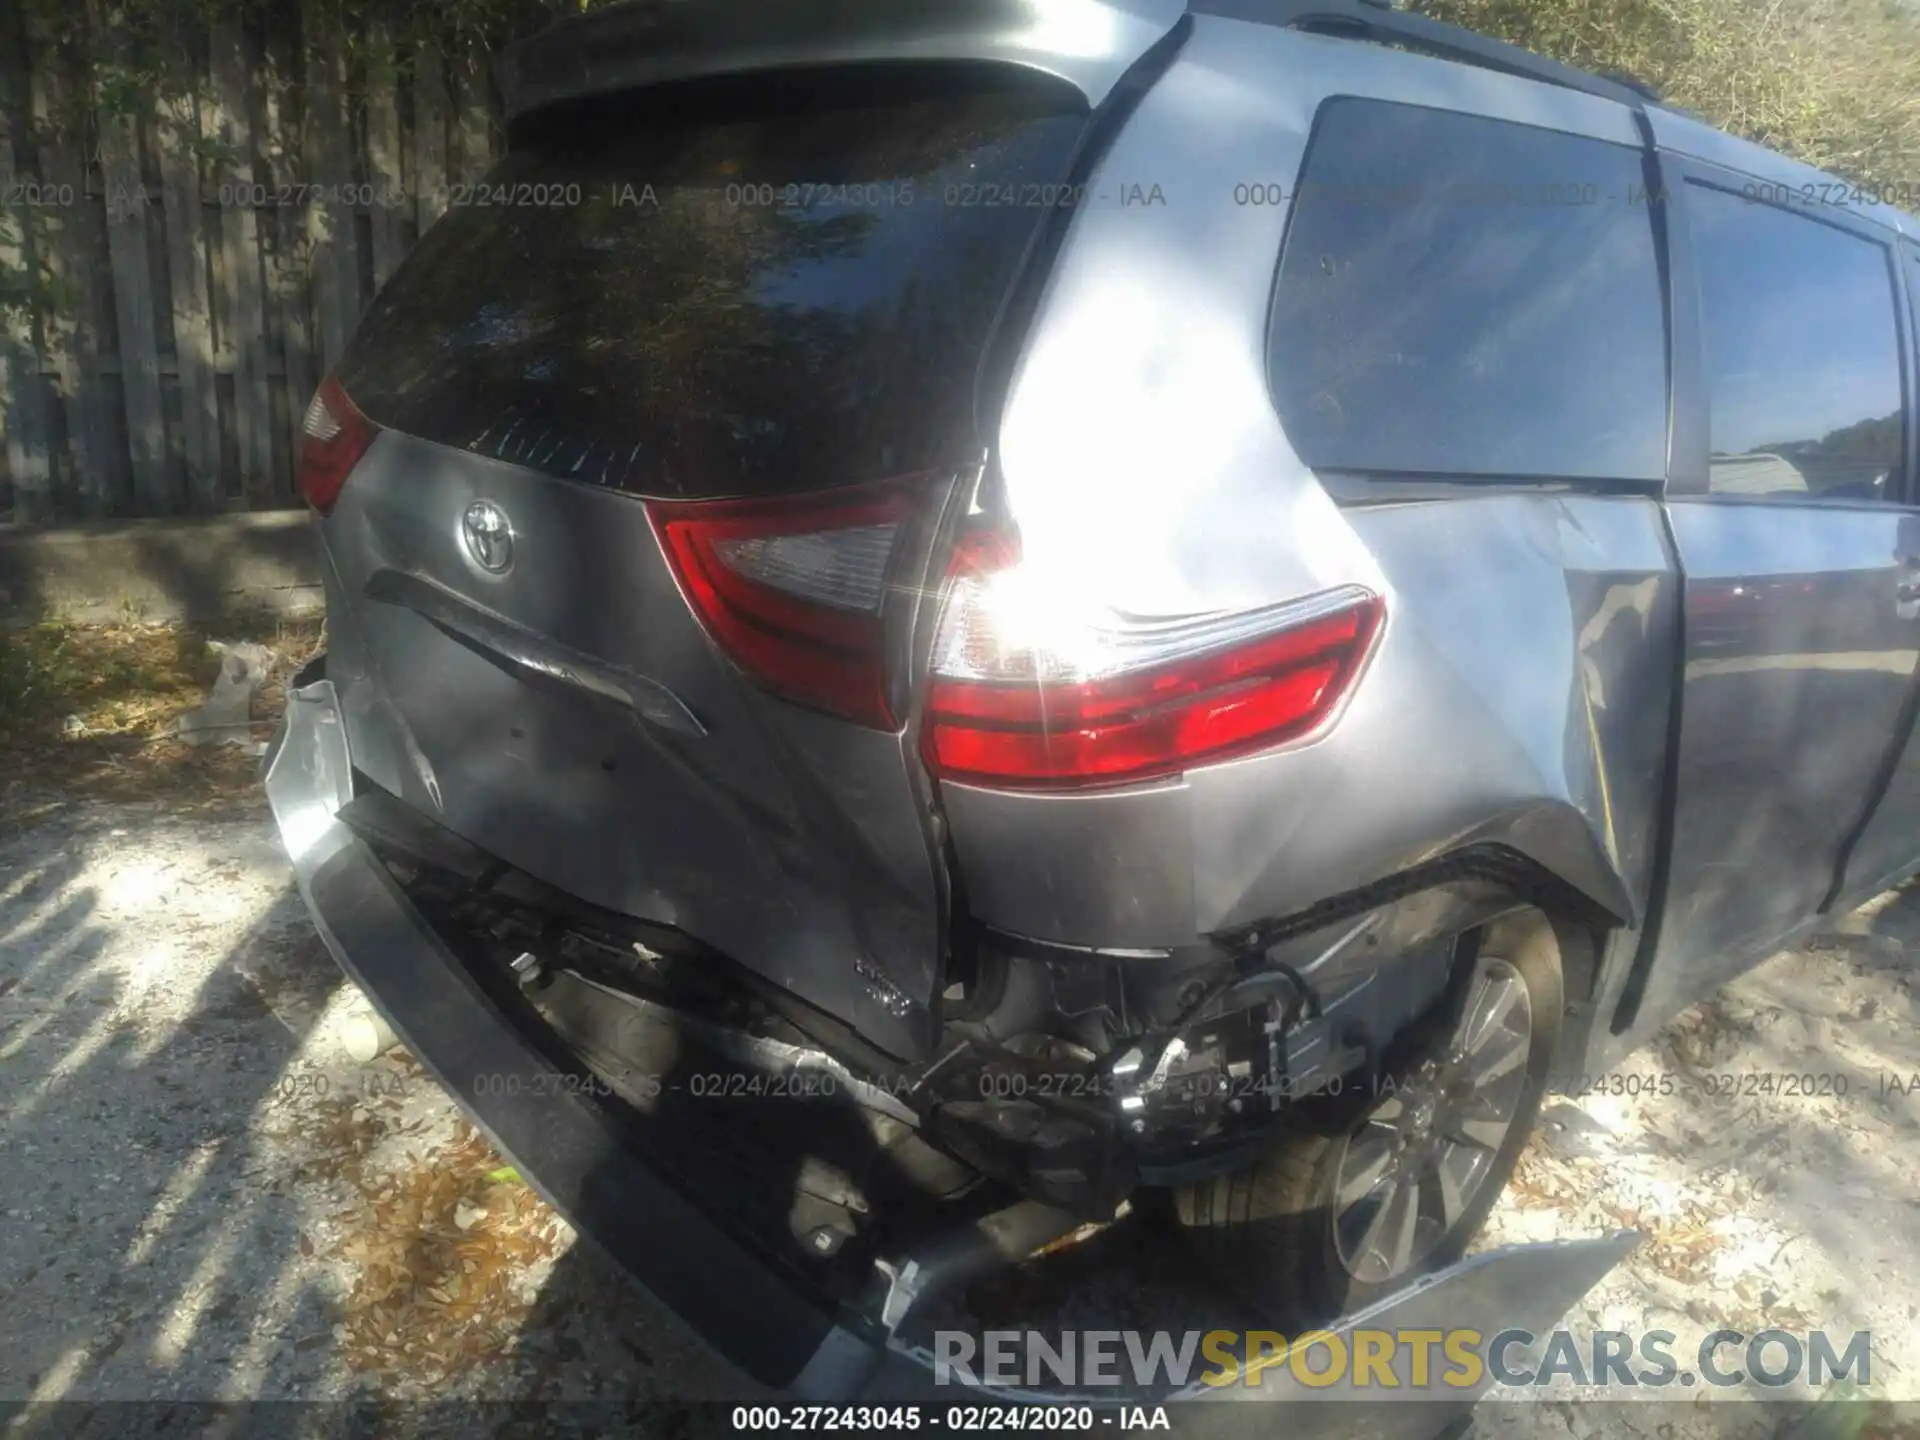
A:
x,y
333,437
845,568
320,423
794,589
1034,689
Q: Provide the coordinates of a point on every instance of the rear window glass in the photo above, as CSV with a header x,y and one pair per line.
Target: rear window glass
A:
x,y
1462,297
751,290
1802,350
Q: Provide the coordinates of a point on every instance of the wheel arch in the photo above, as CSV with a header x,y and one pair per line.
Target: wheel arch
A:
x,y
1488,890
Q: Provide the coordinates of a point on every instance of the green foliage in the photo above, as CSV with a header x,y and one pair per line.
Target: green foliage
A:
x,y
26,288
114,677
136,56
1833,82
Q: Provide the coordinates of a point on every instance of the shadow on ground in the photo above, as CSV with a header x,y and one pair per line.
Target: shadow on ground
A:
x,y
166,1234
170,1237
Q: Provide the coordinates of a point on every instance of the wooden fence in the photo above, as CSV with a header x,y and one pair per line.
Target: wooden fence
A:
x,y
183,270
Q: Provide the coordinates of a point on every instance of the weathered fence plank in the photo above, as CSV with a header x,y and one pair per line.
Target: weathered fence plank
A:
x,y
288,287
429,135
123,185
72,265
336,251
126,195
28,441
384,171
202,240
242,306
476,133
177,134
22,394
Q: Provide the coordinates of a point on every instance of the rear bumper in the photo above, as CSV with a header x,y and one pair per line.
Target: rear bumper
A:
x,y
565,1143
753,1312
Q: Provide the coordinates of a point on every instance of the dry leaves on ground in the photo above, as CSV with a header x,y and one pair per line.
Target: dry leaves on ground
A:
x,y
91,711
439,1252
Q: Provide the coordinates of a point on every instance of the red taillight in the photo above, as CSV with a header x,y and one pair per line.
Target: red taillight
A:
x,y
333,437
1031,691
793,589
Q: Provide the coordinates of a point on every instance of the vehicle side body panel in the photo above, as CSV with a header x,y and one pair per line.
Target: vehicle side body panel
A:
x,y
1800,646
1798,668
1518,693
1888,841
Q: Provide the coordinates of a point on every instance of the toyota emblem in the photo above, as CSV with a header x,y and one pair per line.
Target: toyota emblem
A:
x,y
488,535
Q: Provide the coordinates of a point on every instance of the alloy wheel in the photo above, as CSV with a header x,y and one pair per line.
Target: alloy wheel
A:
x,y
1420,1159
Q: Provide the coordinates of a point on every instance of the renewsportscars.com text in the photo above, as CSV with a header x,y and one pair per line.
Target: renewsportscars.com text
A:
x,y
1386,1360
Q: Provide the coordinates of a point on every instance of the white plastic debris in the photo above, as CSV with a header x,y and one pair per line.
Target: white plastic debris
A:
x,y
224,717
366,1037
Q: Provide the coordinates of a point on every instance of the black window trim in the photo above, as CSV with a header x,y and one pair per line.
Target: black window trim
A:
x,y
1687,473
1354,489
1907,284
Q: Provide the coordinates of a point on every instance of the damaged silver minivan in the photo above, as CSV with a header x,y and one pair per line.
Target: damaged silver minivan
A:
x,y
944,619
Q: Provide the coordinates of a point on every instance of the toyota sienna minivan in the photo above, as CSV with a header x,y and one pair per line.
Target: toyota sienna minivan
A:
x,y
950,621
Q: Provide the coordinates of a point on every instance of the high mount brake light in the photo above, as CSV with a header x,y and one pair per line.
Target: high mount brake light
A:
x,y
794,589
1033,691
333,437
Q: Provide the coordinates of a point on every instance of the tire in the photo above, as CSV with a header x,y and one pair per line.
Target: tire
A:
x,y
1268,1232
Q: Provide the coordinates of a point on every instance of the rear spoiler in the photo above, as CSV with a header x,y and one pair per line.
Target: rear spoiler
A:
x,y
1088,43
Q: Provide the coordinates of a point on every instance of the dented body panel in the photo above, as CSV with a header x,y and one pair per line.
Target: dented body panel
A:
x,y
716,830
1143,460
1566,770
779,1328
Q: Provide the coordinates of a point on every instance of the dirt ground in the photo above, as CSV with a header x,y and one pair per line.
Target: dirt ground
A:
x,y
204,1199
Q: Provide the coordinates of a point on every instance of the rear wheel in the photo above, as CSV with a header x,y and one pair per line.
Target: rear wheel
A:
x,y
1321,1224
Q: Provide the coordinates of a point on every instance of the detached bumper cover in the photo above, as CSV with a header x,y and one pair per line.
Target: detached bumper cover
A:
x,y
749,1309
564,1143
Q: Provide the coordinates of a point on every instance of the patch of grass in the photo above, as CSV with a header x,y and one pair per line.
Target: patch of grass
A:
x,y
91,710
1835,83
109,679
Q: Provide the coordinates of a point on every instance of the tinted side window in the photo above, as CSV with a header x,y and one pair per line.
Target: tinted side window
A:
x,y
1802,352
1464,296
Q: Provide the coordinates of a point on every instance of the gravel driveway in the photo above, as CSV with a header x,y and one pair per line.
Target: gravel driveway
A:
x,y
205,1200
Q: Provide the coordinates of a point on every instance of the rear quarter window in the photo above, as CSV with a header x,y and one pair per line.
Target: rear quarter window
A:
x,y
1467,297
